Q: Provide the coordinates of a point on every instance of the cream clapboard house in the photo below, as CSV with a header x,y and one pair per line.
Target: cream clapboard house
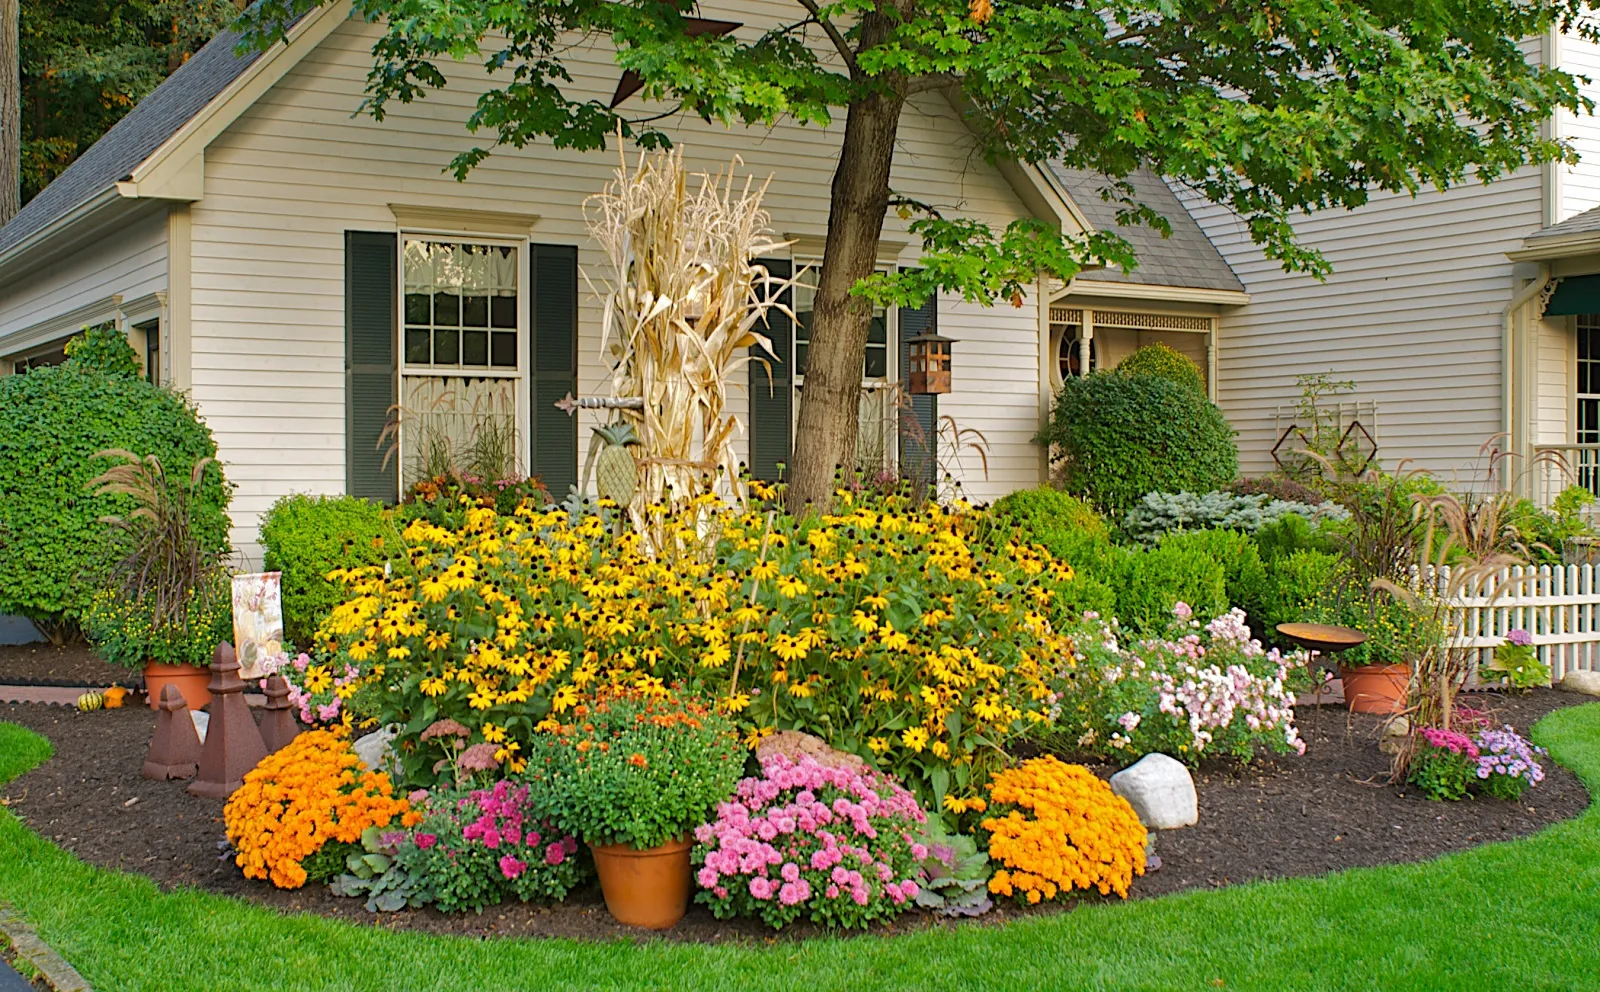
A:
x,y
1458,315
299,269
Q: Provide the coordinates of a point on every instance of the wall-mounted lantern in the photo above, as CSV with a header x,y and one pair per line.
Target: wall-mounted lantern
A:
x,y
928,363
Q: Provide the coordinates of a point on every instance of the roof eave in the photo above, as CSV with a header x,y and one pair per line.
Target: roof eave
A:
x,y
36,247
1153,293
1547,249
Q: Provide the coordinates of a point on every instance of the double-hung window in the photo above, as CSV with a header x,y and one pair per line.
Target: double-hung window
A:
x,y
463,348
879,413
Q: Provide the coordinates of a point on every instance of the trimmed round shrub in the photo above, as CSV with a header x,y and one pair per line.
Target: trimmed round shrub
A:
x,y
53,423
306,537
1160,360
1150,582
1244,575
1065,525
1121,436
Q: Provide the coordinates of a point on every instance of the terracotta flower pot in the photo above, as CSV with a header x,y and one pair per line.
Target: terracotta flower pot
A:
x,y
191,680
1375,688
648,888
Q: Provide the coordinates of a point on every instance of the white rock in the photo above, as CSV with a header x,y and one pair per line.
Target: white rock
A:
x,y
1160,790
202,721
1581,681
376,750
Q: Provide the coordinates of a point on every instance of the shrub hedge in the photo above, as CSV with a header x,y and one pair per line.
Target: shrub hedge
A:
x,y
306,537
1160,360
53,423
1148,583
1119,437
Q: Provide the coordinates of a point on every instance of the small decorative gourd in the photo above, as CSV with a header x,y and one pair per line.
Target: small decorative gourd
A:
x,y
90,701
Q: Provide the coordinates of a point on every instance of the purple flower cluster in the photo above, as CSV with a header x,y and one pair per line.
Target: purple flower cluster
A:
x,y
807,839
1450,740
1519,637
501,820
1507,753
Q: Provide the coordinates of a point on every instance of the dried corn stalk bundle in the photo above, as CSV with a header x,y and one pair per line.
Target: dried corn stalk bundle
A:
x,y
685,301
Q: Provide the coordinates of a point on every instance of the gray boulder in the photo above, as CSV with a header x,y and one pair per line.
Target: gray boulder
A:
x,y
1161,790
1581,681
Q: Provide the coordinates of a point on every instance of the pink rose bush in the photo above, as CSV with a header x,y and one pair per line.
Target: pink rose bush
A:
x,y
831,844
476,847
1200,690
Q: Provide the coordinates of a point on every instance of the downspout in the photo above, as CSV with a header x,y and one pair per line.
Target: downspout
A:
x,y
1507,319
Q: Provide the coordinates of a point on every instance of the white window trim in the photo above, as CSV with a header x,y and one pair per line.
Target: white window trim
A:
x,y
891,364
524,399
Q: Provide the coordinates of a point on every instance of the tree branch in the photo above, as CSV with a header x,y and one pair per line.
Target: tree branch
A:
x,y
834,34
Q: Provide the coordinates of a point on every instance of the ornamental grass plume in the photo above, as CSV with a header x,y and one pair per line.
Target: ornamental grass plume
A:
x,y
1056,828
312,792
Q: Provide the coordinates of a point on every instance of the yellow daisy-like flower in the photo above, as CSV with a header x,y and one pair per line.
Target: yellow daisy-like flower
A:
x,y
437,640
548,725
877,744
914,738
482,697
790,587
362,650
565,698
494,734
864,622
764,570
877,602
433,686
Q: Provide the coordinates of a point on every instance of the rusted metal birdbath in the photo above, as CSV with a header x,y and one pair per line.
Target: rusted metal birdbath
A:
x,y
1323,637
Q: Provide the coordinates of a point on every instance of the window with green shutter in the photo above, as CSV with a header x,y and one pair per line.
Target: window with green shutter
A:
x,y
371,371
553,350
919,415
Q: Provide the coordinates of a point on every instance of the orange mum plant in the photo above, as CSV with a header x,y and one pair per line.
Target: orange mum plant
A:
x,y
300,798
1057,827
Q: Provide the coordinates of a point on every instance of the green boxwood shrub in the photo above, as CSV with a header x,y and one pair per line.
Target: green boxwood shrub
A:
x,y
1149,582
1160,360
1296,583
1244,575
306,537
53,423
1066,526
1121,436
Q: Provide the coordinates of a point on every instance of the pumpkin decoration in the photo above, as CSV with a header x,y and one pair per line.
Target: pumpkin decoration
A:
x,y
114,696
90,701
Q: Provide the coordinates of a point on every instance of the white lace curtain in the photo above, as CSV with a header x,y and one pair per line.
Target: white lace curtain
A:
x,y
468,270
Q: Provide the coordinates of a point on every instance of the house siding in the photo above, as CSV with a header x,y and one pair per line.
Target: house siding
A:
x,y
1411,313
300,167
1578,185
131,262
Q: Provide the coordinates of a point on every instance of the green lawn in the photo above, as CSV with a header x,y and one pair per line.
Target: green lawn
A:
x,y
1516,916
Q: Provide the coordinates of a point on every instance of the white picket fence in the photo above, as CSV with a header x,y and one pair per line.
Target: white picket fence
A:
x,y
1559,605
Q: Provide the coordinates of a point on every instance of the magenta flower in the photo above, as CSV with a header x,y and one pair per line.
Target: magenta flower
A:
x,y
426,841
510,867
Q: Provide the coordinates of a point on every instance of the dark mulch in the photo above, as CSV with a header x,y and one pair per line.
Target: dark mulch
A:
x,y
72,664
1284,817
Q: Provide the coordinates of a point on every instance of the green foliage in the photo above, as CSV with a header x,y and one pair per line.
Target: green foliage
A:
x,y
955,874
634,770
1108,86
1149,583
1244,576
105,348
1160,360
388,884
1545,533
1277,487
54,423
85,63
1120,437
1443,774
1288,534
306,537
1157,513
1397,632
1520,666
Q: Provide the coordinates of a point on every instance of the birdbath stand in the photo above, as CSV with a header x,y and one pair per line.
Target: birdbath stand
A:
x,y
1322,638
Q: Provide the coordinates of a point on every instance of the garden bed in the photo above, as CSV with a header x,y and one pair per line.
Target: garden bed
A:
x,y
1327,811
73,664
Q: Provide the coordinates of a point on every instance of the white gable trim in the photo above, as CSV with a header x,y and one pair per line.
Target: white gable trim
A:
x,y
176,170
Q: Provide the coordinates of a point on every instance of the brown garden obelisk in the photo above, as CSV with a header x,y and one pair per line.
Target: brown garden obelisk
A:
x,y
277,724
233,743
175,748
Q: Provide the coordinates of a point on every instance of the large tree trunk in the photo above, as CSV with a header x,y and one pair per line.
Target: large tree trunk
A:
x,y
825,440
10,112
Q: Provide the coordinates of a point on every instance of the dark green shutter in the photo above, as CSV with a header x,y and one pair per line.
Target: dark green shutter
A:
x,y
371,322
553,360
919,425
771,411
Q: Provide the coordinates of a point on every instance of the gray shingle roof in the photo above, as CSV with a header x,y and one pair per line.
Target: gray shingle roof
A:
x,y
131,140
1187,259
1587,222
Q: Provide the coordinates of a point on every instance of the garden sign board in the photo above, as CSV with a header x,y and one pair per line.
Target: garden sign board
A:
x,y
258,623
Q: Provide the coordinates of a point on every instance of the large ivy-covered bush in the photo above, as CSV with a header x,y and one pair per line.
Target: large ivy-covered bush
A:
x,y
306,537
1161,360
53,423
1120,436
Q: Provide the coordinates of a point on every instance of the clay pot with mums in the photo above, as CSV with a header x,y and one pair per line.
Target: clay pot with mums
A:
x,y
191,680
648,888
1375,688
